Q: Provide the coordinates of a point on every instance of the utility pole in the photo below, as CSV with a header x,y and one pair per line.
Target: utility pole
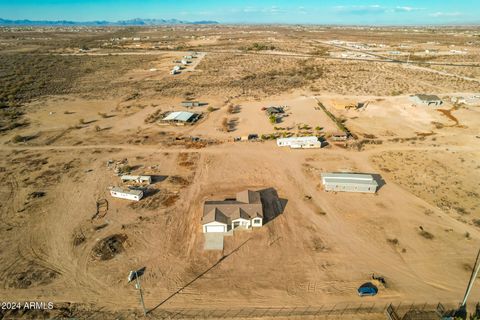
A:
x,y
475,270
139,288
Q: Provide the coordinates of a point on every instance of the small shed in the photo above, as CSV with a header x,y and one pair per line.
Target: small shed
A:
x,y
173,71
128,194
349,182
427,99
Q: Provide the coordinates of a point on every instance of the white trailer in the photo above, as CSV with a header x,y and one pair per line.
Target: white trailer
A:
x,y
310,142
134,195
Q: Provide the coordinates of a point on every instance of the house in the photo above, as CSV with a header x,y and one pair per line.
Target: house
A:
x,y
244,212
309,142
339,136
427,99
128,194
173,71
181,117
184,61
178,68
349,182
137,179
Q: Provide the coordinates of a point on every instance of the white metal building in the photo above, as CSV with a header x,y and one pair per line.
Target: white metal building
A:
x,y
310,142
349,182
128,194
181,116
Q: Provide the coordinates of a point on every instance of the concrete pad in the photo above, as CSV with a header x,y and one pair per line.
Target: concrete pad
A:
x,y
213,241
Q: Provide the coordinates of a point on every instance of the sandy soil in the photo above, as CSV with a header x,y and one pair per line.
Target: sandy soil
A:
x,y
420,231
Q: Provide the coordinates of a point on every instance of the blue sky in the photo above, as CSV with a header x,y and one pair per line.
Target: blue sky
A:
x,y
380,12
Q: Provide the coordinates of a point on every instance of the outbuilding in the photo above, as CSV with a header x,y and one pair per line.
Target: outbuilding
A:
x,y
181,117
128,194
349,182
427,99
310,142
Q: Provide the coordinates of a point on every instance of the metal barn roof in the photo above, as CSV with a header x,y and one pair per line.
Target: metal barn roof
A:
x,y
428,97
179,116
348,178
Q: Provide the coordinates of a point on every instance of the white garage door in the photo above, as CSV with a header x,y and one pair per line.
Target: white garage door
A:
x,y
215,228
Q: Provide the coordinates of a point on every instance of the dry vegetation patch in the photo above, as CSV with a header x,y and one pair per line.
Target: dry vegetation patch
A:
x,y
444,179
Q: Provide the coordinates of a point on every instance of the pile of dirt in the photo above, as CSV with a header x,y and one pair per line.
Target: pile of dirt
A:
x,y
34,275
109,247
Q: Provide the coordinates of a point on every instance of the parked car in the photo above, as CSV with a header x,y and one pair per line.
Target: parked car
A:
x,y
367,289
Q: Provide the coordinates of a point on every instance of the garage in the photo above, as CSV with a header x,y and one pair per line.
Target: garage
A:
x,y
215,228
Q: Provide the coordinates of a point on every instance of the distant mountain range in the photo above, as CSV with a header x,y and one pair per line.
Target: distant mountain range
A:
x,y
132,22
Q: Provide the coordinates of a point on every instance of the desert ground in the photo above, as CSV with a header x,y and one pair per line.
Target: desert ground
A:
x,y
75,100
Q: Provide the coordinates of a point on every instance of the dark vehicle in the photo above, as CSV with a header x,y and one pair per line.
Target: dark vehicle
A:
x,y
367,289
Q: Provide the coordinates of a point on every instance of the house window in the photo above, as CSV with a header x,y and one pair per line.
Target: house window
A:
x,y
256,221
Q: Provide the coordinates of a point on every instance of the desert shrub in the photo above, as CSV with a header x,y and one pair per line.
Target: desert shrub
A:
x,y
258,47
426,234
225,125
125,169
393,241
17,139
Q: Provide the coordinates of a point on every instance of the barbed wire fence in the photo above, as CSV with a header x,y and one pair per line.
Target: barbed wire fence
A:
x,y
273,312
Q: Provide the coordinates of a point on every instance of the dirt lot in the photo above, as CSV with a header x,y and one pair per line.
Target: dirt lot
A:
x,y
420,231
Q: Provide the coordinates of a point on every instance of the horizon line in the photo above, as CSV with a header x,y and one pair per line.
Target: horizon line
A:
x,y
212,21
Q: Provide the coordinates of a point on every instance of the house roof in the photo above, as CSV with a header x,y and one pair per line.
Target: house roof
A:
x,y
215,215
249,196
247,205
